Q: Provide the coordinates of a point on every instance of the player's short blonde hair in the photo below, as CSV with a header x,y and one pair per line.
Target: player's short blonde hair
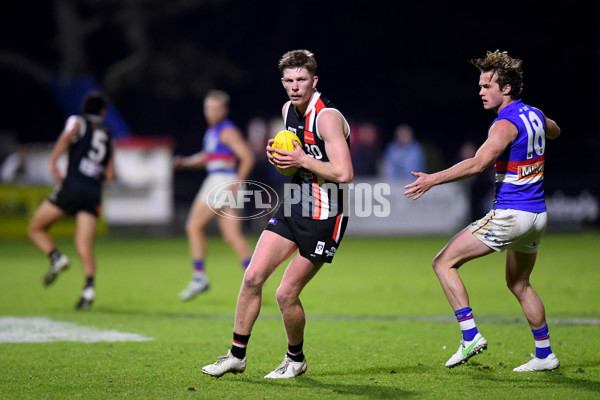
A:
x,y
218,94
298,59
507,68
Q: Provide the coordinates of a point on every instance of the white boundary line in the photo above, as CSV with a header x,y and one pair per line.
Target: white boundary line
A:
x,y
43,330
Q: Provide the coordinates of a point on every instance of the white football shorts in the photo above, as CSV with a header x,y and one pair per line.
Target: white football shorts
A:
x,y
511,230
211,185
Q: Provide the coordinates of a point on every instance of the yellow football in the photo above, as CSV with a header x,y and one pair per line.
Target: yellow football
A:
x,y
284,141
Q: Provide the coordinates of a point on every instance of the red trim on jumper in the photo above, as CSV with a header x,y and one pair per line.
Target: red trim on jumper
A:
x,y
309,137
319,105
212,157
513,166
317,193
337,227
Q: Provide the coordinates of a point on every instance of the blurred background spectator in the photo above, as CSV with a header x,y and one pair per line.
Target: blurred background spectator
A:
x,y
365,149
403,155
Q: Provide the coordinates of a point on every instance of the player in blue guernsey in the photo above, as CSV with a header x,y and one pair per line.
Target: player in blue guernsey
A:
x,y
309,233
516,145
90,162
227,158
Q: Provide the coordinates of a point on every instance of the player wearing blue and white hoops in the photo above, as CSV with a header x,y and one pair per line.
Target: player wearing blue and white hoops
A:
x,y
227,159
516,142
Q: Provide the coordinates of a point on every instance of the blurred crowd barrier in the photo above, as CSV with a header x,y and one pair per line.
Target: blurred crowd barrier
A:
x,y
143,199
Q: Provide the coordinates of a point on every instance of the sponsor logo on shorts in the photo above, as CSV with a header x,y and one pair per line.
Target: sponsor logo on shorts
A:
x,y
320,247
273,221
330,252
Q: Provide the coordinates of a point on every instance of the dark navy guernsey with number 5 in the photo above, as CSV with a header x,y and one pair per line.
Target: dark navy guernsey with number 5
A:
x,y
314,196
520,169
89,153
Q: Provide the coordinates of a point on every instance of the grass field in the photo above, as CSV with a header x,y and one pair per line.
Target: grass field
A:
x,y
379,326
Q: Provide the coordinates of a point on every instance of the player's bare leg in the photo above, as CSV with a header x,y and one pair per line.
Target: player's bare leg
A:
x,y
271,250
462,248
84,242
518,270
231,230
297,275
199,217
46,215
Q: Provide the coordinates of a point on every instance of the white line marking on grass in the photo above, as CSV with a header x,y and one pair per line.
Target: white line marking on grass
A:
x,y
42,330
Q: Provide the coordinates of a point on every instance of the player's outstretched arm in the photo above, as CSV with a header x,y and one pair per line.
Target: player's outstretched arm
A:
x,y
196,160
501,134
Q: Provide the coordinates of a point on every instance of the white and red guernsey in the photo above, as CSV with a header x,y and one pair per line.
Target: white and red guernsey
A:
x,y
319,198
520,169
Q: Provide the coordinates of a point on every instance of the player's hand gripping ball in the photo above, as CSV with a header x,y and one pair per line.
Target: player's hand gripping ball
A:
x,y
284,141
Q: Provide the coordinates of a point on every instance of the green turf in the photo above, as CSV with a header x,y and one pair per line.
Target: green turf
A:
x,y
379,326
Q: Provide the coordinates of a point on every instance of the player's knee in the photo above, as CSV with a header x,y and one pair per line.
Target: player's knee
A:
x,y
31,230
229,238
437,265
190,227
285,297
517,287
253,280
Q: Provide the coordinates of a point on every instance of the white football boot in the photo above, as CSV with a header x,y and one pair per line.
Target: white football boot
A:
x,y
56,267
87,298
196,286
467,350
288,369
225,364
539,364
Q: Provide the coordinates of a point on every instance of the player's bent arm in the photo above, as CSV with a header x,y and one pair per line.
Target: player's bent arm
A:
x,y
501,134
234,140
62,144
109,173
333,130
552,129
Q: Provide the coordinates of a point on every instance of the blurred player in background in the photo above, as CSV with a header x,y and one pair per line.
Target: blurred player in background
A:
x,y
313,227
516,142
223,146
90,162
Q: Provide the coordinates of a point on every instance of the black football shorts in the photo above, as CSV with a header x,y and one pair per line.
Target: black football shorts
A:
x,y
71,201
317,240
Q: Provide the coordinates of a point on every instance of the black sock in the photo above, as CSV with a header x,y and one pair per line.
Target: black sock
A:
x,y
89,282
295,352
238,348
54,255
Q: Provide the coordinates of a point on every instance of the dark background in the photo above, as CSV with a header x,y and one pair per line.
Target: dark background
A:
x,y
386,62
